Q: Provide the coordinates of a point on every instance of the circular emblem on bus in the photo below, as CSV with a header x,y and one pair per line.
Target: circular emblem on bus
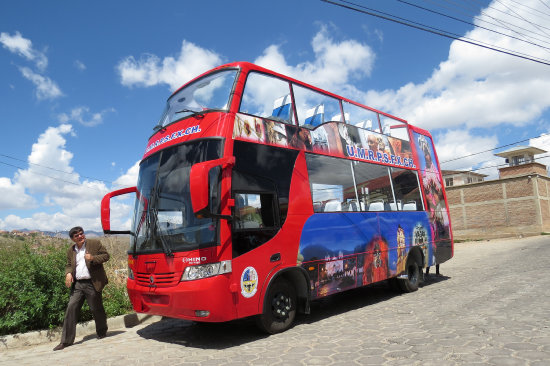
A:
x,y
249,282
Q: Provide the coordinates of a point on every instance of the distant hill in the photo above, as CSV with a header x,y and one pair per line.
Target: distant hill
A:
x,y
58,234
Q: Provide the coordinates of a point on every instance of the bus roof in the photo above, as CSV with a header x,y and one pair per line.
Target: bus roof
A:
x,y
248,66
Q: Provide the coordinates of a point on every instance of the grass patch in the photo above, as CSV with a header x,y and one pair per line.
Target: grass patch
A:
x,y
33,295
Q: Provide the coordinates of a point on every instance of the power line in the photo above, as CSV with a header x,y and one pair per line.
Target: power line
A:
x,y
534,9
508,25
505,25
433,30
504,164
520,17
543,3
50,168
495,148
469,23
44,175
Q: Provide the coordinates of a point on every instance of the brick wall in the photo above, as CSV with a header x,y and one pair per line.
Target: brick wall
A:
x,y
510,206
523,169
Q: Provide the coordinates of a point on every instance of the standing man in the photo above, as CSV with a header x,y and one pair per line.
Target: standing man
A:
x,y
85,276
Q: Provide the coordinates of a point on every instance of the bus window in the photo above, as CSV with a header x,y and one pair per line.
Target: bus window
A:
x,y
394,128
361,117
267,97
406,189
373,186
332,187
254,211
314,108
209,93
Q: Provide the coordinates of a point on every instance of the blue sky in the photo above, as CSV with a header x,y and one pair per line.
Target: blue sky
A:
x,y
83,83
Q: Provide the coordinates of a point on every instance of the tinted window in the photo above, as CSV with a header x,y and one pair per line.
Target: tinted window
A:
x,y
315,108
210,92
268,97
254,211
406,188
361,117
164,218
331,181
261,185
373,186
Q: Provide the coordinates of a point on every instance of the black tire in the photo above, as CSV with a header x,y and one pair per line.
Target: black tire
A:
x,y
393,283
279,308
412,270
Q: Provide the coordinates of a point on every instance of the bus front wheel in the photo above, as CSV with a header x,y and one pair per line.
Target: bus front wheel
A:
x,y
411,282
279,308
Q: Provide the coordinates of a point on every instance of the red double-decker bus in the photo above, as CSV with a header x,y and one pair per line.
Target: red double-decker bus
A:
x,y
258,194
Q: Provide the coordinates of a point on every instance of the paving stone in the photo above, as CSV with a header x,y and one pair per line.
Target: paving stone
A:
x,y
506,361
472,316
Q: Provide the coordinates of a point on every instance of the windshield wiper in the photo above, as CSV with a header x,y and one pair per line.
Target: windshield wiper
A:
x,y
154,221
193,113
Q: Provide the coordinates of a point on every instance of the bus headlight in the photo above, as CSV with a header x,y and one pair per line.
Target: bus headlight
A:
x,y
206,270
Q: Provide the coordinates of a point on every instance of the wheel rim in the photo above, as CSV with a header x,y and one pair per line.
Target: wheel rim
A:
x,y
413,274
281,305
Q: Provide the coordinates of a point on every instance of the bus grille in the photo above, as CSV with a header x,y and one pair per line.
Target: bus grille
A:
x,y
157,279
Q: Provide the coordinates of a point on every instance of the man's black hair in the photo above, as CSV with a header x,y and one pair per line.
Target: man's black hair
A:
x,y
75,230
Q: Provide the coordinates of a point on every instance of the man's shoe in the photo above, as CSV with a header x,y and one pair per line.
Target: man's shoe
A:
x,y
101,336
60,346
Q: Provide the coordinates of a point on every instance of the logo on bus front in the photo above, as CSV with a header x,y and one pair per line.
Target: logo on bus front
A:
x,y
249,282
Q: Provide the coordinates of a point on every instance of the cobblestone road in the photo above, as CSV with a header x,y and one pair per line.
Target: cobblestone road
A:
x,y
491,307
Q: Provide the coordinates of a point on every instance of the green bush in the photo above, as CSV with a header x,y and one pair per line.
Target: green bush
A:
x,y
32,289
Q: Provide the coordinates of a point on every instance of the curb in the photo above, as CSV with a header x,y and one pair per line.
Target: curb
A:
x,y
82,329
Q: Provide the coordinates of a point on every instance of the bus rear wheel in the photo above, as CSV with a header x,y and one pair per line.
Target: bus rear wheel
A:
x,y
412,281
279,308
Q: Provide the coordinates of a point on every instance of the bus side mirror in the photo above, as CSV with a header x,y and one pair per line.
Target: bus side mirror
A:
x,y
106,210
204,184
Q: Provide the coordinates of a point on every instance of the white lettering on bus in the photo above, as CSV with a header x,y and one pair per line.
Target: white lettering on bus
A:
x,y
194,260
369,155
175,135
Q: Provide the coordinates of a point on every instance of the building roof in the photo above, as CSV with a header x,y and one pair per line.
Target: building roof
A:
x,y
519,150
467,172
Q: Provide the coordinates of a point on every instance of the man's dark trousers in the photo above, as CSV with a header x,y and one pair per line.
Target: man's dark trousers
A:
x,y
81,290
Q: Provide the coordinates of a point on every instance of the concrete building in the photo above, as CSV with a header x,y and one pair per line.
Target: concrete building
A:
x,y
459,177
521,160
516,204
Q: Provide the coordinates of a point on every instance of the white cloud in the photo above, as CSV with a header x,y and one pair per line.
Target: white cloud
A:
x,y
60,190
461,143
80,65
58,221
53,183
45,87
13,196
23,47
83,116
476,87
49,151
150,70
542,142
128,179
335,65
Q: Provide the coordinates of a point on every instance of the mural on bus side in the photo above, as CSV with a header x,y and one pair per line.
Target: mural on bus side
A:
x,y
433,190
375,248
335,138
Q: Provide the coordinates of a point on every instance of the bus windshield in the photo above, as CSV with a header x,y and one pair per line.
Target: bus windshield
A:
x,y
208,93
163,217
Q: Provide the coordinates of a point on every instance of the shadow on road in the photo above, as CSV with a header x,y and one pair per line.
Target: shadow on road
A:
x,y
235,333
357,298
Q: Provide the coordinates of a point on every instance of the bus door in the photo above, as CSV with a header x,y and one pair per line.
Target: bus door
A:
x,y
260,189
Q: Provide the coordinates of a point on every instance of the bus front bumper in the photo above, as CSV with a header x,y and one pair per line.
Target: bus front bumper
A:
x,y
206,300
